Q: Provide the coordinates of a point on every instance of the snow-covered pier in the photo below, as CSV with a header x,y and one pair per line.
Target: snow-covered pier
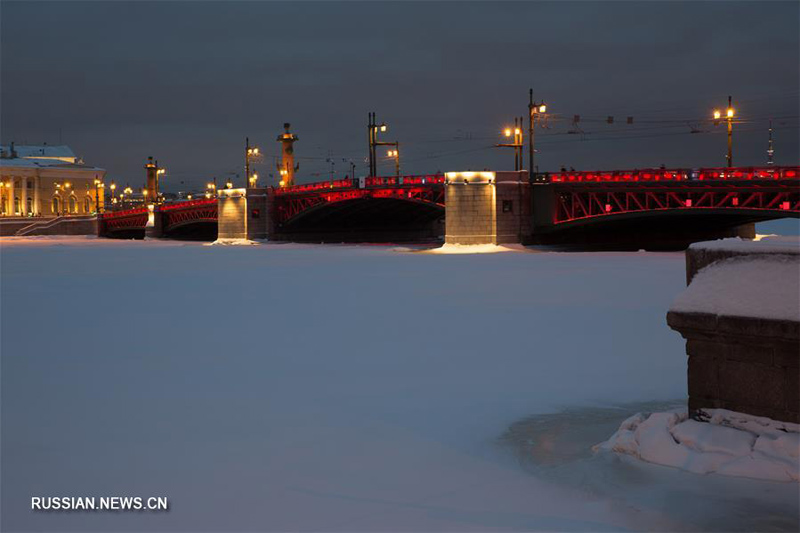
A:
x,y
740,316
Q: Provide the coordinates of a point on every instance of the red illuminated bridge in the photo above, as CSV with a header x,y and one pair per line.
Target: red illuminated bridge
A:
x,y
585,207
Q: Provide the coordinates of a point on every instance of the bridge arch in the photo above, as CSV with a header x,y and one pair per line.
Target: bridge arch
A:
x,y
367,218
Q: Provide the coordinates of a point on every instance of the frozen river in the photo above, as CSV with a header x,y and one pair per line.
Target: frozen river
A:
x,y
346,388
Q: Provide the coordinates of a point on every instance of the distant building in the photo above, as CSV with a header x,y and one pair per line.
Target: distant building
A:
x,y
47,181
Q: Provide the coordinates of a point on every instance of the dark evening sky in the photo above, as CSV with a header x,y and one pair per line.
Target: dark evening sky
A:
x,y
185,82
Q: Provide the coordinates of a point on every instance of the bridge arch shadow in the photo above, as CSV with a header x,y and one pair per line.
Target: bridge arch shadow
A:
x,y
366,219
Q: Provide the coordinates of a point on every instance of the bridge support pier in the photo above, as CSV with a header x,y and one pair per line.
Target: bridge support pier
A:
x,y
155,224
242,214
487,207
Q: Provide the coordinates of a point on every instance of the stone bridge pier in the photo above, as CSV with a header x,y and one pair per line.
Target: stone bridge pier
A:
x,y
487,207
242,214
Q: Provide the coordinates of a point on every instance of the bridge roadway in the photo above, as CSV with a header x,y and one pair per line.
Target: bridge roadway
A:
x,y
628,208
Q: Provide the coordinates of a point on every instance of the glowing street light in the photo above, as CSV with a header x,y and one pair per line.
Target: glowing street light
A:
x,y
517,143
373,128
730,112
395,154
250,152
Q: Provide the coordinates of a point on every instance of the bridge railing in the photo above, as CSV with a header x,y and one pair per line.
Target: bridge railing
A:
x,y
188,203
317,186
748,173
373,181
123,213
682,174
382,181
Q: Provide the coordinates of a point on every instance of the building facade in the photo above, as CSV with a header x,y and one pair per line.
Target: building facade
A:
x,y
48,181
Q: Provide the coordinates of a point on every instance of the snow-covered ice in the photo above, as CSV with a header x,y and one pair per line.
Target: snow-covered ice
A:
x,y
342,388
728,443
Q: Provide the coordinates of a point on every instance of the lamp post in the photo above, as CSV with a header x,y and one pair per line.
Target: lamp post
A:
x,y
157,193
517,143
97,195
729,114
373,128
396,155
113,193
67,187
250,152
534,109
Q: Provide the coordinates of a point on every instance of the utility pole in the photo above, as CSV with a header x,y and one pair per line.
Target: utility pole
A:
x,y
518,141
373,129
396,155
730,133
533,110
770,149
247,160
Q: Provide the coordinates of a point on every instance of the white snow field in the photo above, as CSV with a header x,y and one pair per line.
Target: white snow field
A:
x,y
346,388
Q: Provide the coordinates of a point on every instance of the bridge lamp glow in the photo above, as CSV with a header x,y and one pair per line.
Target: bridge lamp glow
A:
x,y
717,114
507,132
730,112
161,171
542,108
282,183
383,127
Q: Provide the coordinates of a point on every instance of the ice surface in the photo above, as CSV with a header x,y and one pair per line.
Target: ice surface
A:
x,y
746,286
332,388
718,445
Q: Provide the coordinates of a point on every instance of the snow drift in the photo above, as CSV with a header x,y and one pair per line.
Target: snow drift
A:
x,y
722,442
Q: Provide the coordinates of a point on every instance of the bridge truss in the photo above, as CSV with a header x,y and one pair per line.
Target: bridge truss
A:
x,y
587,200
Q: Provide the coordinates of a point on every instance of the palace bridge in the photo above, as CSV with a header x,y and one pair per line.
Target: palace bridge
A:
x,y
650,208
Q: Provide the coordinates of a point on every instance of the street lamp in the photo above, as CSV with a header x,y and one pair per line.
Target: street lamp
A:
x,y
729,114
516,144
250,152
127,191
373,128
534,110
97,195
396,155
113,192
